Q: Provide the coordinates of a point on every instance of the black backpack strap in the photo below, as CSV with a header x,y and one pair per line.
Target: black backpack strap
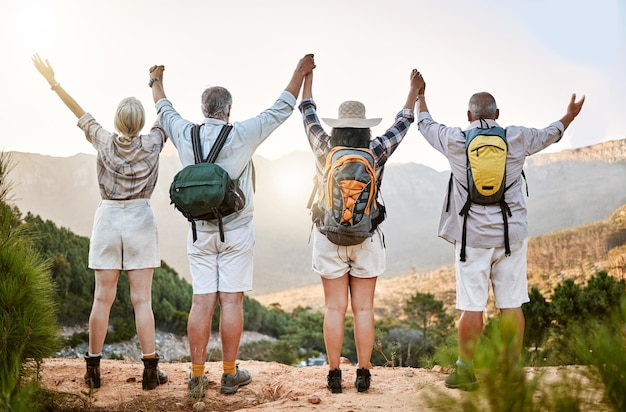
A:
x,y
449,193
506,213
219,143
195,143
464,212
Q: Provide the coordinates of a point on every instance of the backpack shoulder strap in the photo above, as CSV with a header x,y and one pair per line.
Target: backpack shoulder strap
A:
x,y
195,143
219,143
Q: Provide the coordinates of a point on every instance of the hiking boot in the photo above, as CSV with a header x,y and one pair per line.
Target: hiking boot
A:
x,y
152,375
462,378
230,383
92,376
196,385
334,381
363,379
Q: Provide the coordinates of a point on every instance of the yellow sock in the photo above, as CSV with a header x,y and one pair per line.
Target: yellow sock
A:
x,y
197,370
151,356
230,368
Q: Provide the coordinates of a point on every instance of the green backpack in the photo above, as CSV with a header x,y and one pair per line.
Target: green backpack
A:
x,y
204,190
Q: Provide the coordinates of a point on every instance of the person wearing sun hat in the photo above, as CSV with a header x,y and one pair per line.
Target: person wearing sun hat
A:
x,y
351,270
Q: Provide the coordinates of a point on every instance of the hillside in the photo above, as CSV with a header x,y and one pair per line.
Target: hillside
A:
x,y
567,189
573,253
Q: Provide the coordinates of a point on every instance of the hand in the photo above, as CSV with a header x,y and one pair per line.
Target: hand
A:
x,y
45,69
306,65
417,81
156,72
574,107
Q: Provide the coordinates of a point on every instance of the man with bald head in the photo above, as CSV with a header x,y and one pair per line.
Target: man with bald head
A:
x,y
486,260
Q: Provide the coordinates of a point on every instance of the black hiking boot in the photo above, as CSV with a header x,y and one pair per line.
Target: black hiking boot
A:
x,y
334,381
152,375
92,376
363,379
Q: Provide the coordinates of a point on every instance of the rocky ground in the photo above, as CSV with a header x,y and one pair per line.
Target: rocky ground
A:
x,y
276,387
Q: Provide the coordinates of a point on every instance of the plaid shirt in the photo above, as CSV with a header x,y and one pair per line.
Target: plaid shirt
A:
x,y
126,169
382,146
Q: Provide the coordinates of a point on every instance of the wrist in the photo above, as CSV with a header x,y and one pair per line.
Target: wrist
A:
x,y
152,80
54,86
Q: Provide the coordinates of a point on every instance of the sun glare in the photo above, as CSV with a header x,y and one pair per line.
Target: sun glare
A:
x,y
294,184
35,24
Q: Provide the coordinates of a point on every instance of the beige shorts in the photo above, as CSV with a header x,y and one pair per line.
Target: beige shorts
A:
x,y
366,260
124,236
217,266
482,267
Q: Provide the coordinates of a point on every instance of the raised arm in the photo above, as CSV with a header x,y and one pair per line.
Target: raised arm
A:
x,y
573,108
47,72
304,67
307,89
414,89
156,82
421,91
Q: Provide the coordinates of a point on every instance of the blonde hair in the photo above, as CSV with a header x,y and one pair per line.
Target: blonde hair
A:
x,y
129,117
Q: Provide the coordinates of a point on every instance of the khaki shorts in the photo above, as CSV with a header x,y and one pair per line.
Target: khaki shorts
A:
x,y
217,266
124,236
482,267
366,260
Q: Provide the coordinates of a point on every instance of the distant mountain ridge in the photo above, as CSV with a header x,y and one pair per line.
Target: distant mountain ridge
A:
x,y
567,189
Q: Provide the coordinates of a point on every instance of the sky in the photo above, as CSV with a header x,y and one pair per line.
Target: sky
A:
x,y
531,55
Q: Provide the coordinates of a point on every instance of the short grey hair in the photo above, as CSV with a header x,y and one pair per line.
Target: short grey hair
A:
x,y
215,102
483,105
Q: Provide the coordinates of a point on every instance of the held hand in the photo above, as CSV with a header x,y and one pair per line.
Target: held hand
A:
x,y
156,72
417,82
574,107
45,69
306,64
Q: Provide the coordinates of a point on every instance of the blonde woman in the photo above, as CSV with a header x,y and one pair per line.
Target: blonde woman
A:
x,y
124,234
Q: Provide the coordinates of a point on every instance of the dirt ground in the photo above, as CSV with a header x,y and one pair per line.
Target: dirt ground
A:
x,y
274,387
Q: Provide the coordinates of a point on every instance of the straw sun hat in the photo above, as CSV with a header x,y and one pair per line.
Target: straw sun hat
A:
x,y
352,114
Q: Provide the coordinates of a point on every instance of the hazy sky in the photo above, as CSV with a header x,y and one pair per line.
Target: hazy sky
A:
x,y
531,55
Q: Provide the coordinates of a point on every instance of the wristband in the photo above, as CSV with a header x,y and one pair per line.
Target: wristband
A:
x,y
151,82
54,86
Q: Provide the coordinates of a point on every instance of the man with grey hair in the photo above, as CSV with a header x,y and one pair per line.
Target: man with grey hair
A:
x,y
486,260
221,271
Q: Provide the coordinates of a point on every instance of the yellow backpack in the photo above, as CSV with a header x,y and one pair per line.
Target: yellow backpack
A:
x,y
486,150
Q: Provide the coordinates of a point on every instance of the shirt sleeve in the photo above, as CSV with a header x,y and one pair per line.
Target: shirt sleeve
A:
x,y
94,132
384,146
319,140
172,122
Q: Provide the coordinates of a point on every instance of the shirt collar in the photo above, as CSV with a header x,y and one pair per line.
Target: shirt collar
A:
x,y
477,123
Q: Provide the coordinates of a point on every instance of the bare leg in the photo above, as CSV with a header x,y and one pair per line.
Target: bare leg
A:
x,y
336,302
513,325
103,297
231,323
362,299
141,297
199,325
470,328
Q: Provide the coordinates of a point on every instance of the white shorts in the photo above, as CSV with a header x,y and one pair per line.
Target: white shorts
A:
x,y
507,275
217,266
124,236
366,260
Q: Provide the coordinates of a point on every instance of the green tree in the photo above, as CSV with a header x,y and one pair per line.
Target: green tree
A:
x,y
428,315
538,316
28,325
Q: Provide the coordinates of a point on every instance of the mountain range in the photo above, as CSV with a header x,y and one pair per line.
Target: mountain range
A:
x,y
566,189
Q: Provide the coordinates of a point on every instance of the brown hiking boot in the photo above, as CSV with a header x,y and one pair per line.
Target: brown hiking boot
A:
x,y
152,375
92,376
